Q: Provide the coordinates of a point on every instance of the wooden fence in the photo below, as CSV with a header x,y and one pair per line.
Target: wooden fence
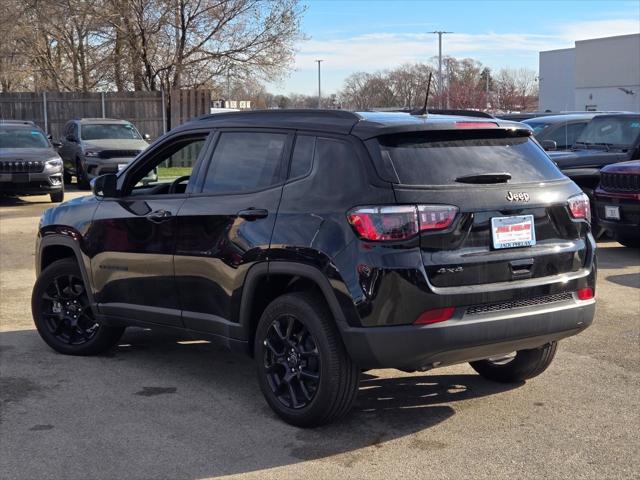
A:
x,y
150,112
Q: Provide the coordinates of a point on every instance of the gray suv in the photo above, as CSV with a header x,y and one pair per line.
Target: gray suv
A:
x,y
95,146
29,165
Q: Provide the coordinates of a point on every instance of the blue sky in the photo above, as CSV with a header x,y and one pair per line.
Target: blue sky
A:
x,y
372,35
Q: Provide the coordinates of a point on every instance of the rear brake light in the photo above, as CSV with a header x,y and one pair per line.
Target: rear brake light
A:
x,y
476,125
585,293
434,316
399,222
579,207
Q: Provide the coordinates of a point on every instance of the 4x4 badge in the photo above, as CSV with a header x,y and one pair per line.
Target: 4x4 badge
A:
x,y
517,196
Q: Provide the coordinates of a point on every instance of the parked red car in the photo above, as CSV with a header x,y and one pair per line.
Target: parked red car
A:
x,y
618,201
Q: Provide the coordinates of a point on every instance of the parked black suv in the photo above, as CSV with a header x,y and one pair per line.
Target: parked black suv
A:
x,y
29,165
325,243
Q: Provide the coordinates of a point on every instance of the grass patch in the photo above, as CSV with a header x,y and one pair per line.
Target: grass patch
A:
x,y
166,173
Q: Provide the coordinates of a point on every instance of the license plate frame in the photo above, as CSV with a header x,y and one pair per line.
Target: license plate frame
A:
x,y
504,235
612,212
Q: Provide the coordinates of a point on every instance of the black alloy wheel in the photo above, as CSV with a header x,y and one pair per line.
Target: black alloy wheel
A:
x,y
63,315
292,362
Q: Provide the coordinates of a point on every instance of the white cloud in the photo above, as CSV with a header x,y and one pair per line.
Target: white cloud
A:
x,y
380,50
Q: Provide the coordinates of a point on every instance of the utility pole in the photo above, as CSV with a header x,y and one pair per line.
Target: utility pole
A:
x,y
440,85
319,89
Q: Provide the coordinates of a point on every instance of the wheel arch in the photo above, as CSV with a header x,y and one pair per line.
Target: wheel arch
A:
x,y
266,281
55,247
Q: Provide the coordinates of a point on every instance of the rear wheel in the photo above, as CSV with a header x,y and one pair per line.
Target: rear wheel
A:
x,y
522,365
304,371
66,177
63,315
629,242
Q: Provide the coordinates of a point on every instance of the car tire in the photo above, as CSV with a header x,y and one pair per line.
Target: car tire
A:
x,y
524,365
62,313
629,242
296,340
81,175
57,197
66,177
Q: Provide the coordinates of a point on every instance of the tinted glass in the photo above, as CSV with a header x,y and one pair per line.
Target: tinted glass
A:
x,y
22,138
418,161
537,126
302,158
104,131
566,135
611,131
245,162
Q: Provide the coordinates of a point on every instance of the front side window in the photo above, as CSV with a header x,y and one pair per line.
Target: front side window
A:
x,y
245,161
107,131
566,135
169,171
22,138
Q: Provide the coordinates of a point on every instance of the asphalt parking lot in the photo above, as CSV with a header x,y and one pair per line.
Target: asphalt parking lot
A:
x,y
161,407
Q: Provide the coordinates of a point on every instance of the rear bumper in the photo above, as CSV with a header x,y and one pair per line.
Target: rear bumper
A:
x,y
467,337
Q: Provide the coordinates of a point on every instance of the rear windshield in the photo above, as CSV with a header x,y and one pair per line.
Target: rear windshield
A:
x,y
422,161
22,138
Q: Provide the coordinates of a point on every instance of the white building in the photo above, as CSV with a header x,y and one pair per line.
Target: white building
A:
x,y
598,74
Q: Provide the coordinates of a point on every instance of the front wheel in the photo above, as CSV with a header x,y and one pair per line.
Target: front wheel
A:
x,y
81,175
304,371
63,315
57,197
523,365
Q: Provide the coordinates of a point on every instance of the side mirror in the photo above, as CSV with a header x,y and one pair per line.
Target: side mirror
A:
x,y
71,138
549,145
146,136
56,144
105,186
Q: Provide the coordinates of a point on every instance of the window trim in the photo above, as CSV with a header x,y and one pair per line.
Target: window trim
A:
x,y
315,137
285,160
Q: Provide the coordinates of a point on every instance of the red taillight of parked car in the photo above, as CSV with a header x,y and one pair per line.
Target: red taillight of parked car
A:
x,y
434,316
585,293
399,222
579,207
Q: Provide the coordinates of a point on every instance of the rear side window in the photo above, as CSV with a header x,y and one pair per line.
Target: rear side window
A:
x,y
302,158
418,160
245,161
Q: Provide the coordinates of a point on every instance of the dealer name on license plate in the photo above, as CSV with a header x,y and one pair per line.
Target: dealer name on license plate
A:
x,y
512,232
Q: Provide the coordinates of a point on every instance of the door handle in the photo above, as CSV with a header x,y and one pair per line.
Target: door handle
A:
x,y
251,214
159,216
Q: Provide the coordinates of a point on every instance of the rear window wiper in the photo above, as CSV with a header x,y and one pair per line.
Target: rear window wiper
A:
x,y
501,177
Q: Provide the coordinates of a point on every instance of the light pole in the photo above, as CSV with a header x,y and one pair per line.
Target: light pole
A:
x,y
319,89
440,85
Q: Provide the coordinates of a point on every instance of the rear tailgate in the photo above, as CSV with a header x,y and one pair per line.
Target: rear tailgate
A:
x,y
513,222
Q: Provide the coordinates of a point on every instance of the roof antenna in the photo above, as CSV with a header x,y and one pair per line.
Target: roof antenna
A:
x,y
423,110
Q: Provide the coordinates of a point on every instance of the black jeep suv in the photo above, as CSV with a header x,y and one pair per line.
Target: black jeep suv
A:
x,y
324,243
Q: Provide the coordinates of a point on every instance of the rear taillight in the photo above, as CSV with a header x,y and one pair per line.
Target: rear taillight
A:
x,y
585,293
399,222
579,207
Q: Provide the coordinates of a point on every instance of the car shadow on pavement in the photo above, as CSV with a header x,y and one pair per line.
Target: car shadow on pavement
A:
x,y
161,407
611,255
626,279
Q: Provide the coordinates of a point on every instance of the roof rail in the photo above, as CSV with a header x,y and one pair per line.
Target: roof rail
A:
x,y
344,114
17,122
